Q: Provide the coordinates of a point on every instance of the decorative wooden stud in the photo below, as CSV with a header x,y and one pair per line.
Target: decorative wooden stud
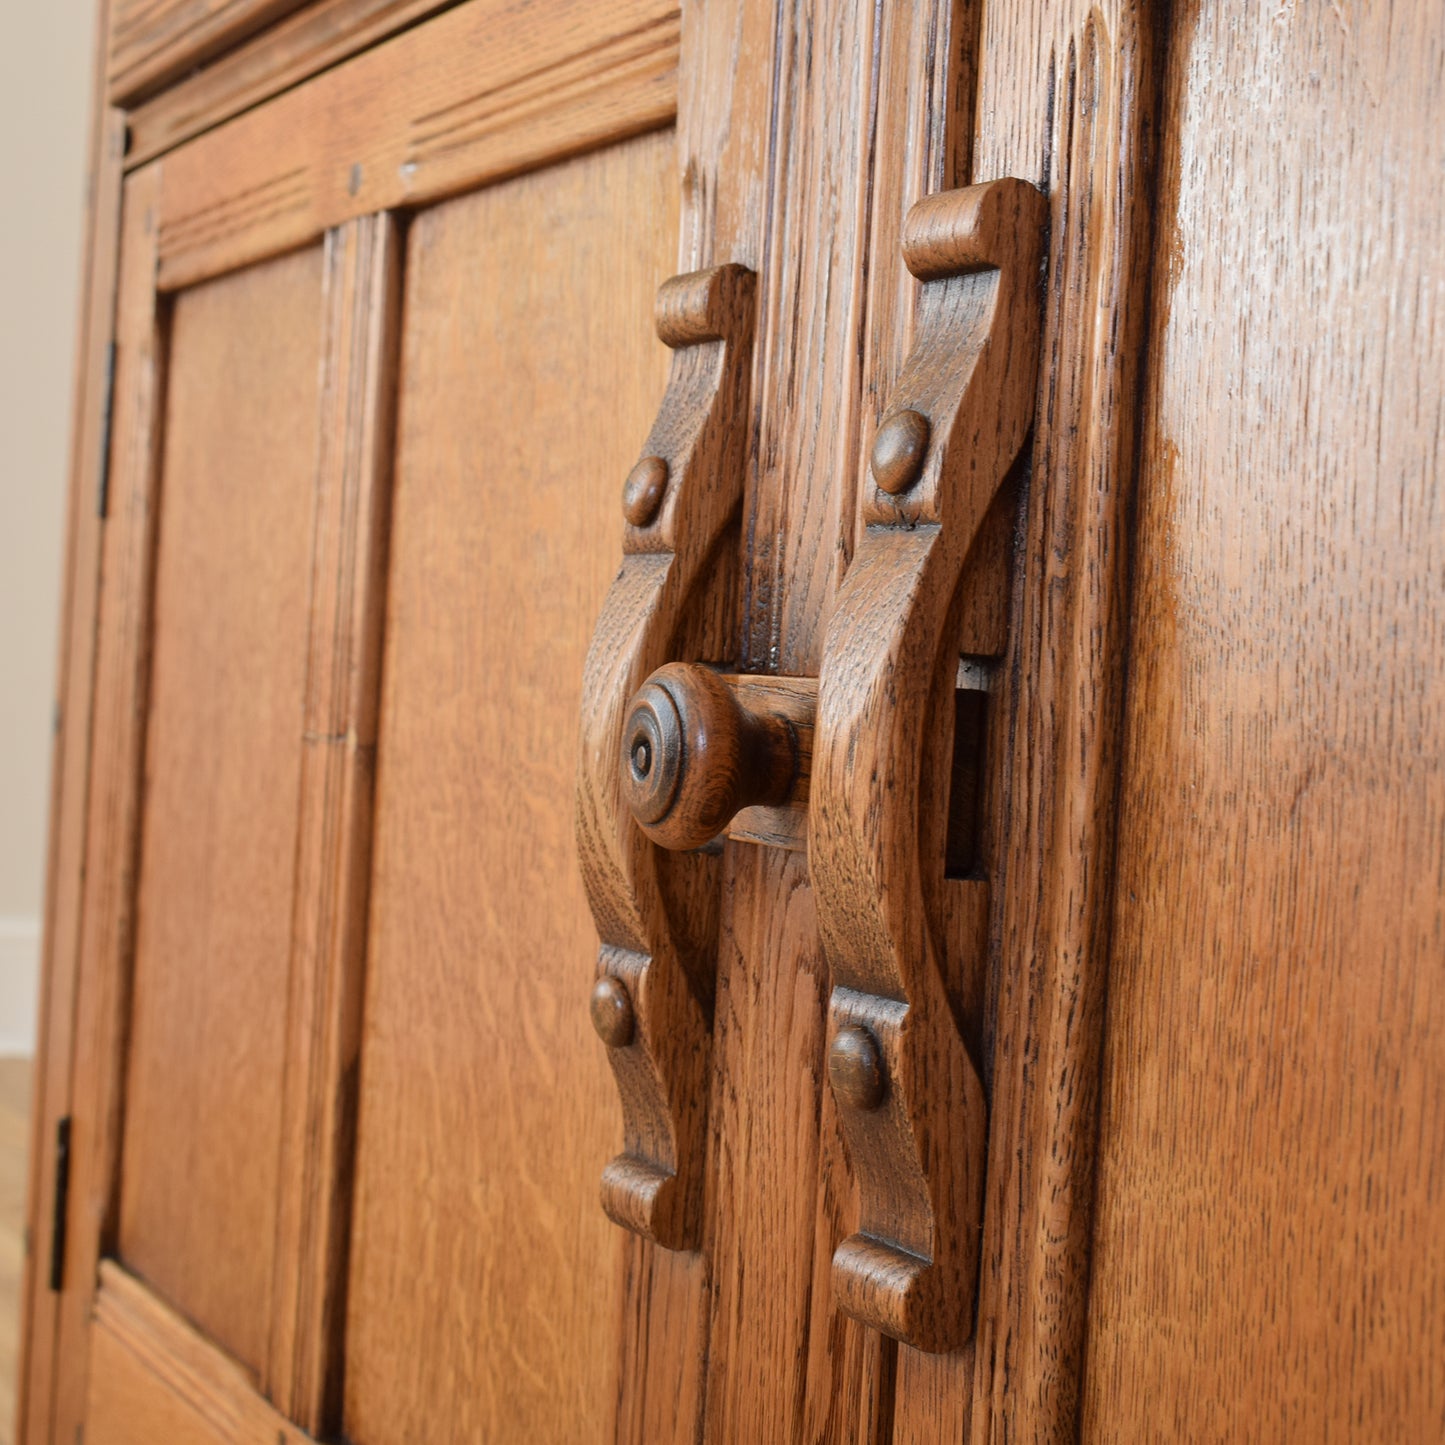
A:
x,y
898,451
678,501
917,1137
642,494
612,1014
855,1068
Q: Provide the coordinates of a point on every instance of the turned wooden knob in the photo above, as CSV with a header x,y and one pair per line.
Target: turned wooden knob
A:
x,y
693,755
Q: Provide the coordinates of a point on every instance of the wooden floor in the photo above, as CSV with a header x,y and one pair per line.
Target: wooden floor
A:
x,y
14,1128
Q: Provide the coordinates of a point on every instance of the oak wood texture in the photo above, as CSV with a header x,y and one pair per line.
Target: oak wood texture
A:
x,y
207,1046
318,35
361,295
795,701
694,753
467,98
71,757
1065,99
655,1185
329,455
155,1378
485,1289
150,41
724,132
911,1266
112,828
782,1358
1268,1259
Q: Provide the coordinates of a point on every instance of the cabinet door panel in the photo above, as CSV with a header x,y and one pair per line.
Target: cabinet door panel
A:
x,y
218,832
1269,1258
484,1298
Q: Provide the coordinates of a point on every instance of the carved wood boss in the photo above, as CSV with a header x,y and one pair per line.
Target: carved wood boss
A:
x,y
910,1098
649,1004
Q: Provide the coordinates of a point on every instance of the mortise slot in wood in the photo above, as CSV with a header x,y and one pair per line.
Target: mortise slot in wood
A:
x,y
962,857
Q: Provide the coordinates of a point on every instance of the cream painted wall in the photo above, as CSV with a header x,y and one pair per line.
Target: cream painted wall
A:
x,y
45,60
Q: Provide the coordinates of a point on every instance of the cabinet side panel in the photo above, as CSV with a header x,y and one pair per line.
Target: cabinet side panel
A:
x,y
1269,1259
218,842
484,1300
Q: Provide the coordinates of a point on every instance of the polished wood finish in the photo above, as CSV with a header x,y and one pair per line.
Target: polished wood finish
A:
x,y
898,451
217,864
794,702
643,491
1066,95
486,1111
647,940
911,1267
438,109
694,755
318,35
154,1378
1268,1257
433,1018
71,759
361,298
151,41
114,798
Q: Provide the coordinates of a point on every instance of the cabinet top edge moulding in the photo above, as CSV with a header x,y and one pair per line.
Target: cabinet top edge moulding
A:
x,y
252,69
451,104
151,42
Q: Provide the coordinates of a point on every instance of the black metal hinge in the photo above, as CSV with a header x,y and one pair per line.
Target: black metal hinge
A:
x,y
107,402
62,1199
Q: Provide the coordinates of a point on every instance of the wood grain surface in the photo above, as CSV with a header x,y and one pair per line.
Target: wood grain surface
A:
x,y
151,41
305,42
360,304
108,865
480,92
1269,1261
1066,93
207,1025
154,1378
655,918
781,1359
71,756
485,1293
889,681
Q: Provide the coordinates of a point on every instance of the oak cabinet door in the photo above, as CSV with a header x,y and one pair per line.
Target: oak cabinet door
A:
x,y
337,1114
1060,433
385,350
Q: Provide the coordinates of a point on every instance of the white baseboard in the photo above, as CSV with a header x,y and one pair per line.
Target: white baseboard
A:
x,y
19,984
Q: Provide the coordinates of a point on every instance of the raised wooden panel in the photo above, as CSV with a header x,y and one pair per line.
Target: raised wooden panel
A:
x,y
485,1298
207,1053
1269,1258
155,1381
152,40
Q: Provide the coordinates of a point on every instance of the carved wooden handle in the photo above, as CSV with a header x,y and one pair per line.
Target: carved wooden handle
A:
x,y
652,1000
910,1098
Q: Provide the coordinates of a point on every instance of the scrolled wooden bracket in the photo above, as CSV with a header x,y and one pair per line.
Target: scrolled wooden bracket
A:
x,y
679,500
910,1098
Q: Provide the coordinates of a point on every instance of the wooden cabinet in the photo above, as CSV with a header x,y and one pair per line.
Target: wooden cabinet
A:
x,y
1050,572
